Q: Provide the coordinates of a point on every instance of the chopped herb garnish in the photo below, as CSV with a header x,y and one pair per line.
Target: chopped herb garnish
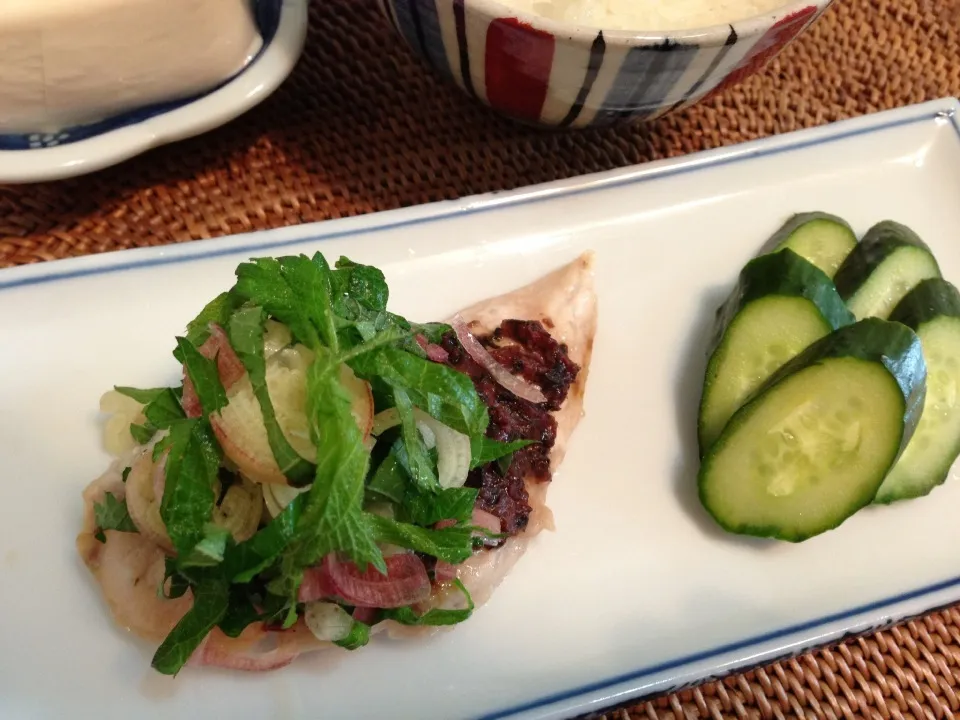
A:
x,y
142,434
210,604
270,283
438,390
340,314
418,462
437,616
364,284
453,544
390,480
483,450
178,583
333,519
427,509
141,396
112,514
358,637
251,557
164,410
210,550
241,611
217,311
191,470
204,376
433,332
309,279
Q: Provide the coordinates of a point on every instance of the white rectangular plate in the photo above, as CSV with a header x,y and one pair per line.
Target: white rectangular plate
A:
x,y
637,591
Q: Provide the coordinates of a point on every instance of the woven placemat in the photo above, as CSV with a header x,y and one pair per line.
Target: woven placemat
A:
x,y
362,127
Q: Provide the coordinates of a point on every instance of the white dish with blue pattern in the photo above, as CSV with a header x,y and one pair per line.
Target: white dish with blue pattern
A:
x,y
637,591
74,151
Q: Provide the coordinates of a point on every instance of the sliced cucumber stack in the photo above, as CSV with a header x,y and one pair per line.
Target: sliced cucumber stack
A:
x,y
816,441
823,239
781,305
932,310
885,265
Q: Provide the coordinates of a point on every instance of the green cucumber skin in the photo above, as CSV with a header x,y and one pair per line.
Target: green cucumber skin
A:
x,y
876,246
931,299
797,221
891,344
782,273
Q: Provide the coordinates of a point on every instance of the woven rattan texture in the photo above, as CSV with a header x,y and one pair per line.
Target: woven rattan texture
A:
x,y
909,671
361,126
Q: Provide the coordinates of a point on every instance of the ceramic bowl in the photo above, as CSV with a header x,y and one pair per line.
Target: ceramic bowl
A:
x,y
557,75
81,149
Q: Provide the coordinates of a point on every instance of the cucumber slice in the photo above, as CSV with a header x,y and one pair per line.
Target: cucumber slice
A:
x,y
886,265
780,306
818,237
932,310
813,446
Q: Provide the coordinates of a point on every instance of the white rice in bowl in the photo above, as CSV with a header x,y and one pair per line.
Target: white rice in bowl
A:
x,y
647,15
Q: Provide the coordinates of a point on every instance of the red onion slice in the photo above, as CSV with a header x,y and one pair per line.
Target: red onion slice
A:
x,y
487,521
444,572
190,401
253,651
229,367
434,352
517,385
405,583
316,585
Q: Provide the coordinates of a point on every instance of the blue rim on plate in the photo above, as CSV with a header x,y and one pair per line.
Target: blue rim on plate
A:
x,y
739,655
267,14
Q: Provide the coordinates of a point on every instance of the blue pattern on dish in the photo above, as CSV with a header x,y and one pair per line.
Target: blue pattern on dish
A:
x,y
267,14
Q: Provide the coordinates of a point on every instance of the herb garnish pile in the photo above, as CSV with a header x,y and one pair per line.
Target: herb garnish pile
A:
x,y
341,315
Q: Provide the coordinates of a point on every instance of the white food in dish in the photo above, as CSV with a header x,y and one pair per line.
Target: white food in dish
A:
x,y
649,15
72,62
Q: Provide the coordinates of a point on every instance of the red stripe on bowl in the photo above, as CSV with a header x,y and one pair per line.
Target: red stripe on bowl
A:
x,y
518,63
768,46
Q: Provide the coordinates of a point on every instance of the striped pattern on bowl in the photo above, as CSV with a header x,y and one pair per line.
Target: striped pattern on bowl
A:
x,y
577,80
